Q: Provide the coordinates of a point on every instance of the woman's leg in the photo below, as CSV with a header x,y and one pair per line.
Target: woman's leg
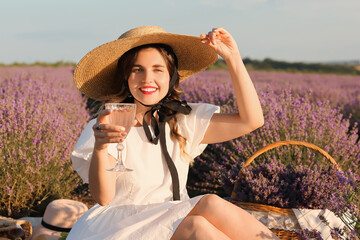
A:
x,y
197,228
229,219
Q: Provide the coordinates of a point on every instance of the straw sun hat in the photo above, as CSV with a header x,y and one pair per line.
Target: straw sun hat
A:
x,y
60,215
94,74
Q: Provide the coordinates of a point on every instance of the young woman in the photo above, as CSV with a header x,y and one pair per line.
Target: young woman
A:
x,y
145,66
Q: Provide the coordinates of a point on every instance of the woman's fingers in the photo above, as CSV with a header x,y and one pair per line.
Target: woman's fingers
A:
x,y
103,134
108,130
204,38
107,127
221,41
109,137
103,141
107,133
211,36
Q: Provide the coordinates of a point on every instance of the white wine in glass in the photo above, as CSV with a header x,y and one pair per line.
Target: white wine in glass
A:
x,y
122,114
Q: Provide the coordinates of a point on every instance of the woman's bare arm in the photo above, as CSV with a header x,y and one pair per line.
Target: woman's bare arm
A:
x,y
224,127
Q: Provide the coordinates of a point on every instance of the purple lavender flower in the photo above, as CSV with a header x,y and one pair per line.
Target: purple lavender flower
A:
x,y
41,116
320,109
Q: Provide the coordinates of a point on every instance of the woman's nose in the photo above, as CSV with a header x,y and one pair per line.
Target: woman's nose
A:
x,y
148,77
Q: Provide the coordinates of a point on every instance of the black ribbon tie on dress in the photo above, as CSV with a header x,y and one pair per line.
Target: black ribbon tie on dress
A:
x,y
164,114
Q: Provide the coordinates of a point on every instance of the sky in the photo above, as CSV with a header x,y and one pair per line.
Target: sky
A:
x,y
287,30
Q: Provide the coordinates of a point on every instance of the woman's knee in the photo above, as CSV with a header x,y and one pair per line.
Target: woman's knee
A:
x,y
212,206
210,201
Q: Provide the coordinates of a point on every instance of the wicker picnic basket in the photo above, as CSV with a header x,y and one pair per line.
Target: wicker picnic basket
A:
x,y
8,224
281,233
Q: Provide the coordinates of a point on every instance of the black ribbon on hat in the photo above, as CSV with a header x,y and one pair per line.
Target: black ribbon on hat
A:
x,y
54,228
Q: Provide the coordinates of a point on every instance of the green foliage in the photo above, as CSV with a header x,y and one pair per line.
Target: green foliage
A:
x,y
269,64
219,65
63,236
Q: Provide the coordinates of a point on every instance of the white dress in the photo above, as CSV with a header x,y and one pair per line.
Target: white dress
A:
x,y
142,207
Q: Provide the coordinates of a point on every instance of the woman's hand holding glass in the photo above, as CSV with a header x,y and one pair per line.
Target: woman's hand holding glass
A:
x,y
106,133
112,126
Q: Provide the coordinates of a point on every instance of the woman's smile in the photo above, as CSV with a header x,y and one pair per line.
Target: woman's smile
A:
x,y
148,90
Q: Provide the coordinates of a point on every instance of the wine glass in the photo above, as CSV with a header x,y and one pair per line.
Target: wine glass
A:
x,y
122,114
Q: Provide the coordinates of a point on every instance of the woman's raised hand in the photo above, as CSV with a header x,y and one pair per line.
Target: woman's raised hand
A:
x,y
222,42
106,133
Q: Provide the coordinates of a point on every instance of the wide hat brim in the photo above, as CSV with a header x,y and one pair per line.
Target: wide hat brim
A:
x,y
42,233
95,74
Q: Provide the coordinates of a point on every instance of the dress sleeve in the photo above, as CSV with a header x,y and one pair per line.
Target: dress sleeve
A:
x,y
193,126
81,155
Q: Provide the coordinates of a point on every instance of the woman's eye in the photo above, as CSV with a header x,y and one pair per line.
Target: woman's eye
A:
x,y
158,70
137,70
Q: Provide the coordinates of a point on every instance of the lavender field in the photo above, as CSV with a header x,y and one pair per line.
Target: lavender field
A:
x,y
42,115
304,107
320,109
340,91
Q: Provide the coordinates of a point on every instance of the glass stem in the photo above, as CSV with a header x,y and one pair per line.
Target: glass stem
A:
x,y
120,162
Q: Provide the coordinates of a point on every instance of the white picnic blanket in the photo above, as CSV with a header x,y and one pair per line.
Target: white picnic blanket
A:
x,y
311,219
303,219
